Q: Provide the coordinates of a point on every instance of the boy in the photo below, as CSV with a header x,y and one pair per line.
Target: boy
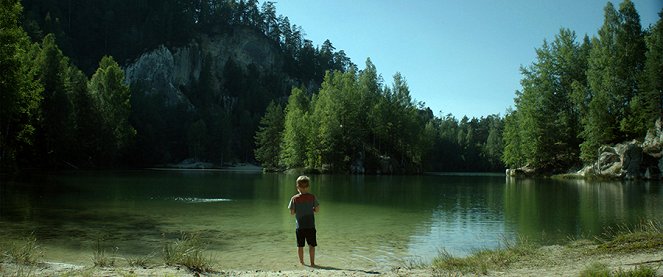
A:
x,y
303,205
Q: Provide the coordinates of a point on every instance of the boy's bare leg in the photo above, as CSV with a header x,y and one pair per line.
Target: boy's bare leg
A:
x,y
311,253
300,253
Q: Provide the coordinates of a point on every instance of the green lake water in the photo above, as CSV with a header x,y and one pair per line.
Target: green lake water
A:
x,y
365,222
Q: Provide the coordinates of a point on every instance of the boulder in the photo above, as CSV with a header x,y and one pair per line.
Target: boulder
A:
x,y
632,159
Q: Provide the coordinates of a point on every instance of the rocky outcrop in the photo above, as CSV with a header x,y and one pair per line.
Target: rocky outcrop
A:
x,y
630,160
163,72
167,72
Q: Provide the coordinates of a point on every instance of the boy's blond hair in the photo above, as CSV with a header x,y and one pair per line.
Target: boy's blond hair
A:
x,y
303,181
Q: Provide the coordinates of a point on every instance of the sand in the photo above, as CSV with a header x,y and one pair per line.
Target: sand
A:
x,y
554,261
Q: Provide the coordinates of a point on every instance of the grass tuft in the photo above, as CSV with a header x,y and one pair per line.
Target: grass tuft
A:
x,y
602,270
143,261
101,258
480,262
645,236
28,252
596,270
187,251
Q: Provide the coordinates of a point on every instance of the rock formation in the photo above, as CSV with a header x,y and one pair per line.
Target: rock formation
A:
x,y
632,159
165,72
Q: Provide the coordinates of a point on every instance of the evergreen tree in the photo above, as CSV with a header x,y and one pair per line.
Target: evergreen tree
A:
x,y
615,60
269,135
647,103
88,130
512,155
20,93
631,48
56,129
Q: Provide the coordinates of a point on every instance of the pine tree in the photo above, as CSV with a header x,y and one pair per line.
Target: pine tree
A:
x,y
646,106
56,129
615,62
269,135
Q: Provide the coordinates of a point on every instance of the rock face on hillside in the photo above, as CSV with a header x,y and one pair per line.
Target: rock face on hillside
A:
x,y
632,159
164,72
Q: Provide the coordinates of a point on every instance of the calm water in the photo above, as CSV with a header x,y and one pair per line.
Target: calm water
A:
x,y
365,222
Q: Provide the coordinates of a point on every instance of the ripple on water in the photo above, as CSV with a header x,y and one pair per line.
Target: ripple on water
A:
x,y
194,200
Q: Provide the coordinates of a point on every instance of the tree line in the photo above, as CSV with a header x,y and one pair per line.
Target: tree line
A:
x,y
579,95
86,31
356,124
124,29
61,118
52,114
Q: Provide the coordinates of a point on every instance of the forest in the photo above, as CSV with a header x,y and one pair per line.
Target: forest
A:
x,y
66,103
579,95
61,118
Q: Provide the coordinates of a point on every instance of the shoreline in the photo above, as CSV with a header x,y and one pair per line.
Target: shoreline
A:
x,y
553,260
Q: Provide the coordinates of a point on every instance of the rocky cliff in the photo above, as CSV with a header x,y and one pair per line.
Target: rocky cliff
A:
x,y
166,72
203,100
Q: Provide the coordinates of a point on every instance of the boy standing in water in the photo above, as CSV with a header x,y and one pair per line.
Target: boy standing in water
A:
x,y
303,205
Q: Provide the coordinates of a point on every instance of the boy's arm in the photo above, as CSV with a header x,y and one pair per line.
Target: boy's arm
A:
x,y
316,209
291,206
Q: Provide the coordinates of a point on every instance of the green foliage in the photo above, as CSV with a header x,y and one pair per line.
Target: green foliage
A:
x,y
356,124
615,62
112,97
543,132
480,262
269,135
293,145
21,94
56,128
647,103
577,97
642,237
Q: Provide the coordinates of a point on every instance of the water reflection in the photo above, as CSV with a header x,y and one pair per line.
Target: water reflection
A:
x,y
365,221
553,210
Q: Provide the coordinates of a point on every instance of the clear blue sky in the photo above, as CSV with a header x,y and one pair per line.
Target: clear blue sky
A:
x,y
459,57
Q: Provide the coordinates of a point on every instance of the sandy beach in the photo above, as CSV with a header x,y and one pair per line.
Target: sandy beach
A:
x,y
553,260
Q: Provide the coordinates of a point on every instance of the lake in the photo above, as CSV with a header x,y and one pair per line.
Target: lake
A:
x,y
365,222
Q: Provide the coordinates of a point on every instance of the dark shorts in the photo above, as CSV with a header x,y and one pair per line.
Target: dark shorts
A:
x,y
306,234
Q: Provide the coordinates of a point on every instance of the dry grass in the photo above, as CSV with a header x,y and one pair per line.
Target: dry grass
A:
x,y
187,251
27,252
101,257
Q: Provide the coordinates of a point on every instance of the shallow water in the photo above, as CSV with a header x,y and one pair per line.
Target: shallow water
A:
x,y
365,222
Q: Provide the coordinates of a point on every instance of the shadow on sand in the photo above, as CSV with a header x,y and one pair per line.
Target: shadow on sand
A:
x,y
322,267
